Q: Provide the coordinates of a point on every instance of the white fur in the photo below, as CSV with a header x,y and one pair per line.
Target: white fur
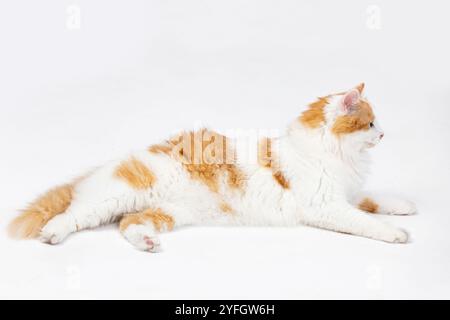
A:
x,y
326,174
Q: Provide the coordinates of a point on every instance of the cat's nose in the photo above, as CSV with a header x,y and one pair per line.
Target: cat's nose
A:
x,y
381,136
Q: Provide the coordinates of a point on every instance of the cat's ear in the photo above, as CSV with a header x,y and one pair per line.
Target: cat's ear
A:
x,y
360,87
349,101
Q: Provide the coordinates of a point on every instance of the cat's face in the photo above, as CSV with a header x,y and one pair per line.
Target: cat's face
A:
x,y
354,120
347,116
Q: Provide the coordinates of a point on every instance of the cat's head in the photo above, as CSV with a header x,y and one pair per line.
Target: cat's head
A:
x,y
347,116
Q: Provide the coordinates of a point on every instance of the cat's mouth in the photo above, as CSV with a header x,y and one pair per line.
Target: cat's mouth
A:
x,y
370,144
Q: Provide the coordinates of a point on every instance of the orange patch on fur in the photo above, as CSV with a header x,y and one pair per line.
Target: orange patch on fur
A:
x,y
206,155
267,159
225,207
157,217
160,148
38,213
136,174
281,179
368,205
359,119
314,117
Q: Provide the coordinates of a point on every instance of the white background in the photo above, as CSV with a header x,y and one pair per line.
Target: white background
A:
x,y
135,71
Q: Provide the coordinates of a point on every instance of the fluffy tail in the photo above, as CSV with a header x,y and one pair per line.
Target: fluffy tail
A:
x,y
38,213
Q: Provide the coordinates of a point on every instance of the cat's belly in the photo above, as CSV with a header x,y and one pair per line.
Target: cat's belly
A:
x,y
267,205
259,200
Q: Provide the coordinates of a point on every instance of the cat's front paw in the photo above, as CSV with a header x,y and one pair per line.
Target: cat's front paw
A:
x,y
401,207
143,238
395,236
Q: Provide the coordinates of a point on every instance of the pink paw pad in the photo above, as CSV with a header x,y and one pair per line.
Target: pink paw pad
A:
x,y
149,242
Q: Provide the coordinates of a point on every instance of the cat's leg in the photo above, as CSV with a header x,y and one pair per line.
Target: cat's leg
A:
x,y
383,204
347,219
141,229
80,216
103,197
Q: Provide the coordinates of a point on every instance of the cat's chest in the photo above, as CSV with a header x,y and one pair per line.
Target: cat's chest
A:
x,y
351,177
327,178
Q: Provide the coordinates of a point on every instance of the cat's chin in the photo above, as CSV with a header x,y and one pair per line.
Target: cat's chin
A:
x,y
369,145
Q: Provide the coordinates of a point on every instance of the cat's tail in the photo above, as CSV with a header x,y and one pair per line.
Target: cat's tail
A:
x,y
30,222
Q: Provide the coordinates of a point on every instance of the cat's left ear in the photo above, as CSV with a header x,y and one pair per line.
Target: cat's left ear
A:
x,y
350,100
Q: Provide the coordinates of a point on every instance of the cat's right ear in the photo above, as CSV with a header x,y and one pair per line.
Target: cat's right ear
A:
x,y
349,101
360,87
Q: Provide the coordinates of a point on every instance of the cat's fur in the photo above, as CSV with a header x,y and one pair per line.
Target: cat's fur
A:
x,y
313,175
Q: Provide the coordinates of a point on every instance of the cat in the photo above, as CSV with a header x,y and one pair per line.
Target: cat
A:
x,y
313,175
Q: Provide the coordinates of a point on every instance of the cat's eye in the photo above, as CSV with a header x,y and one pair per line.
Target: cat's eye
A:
x,y
372,125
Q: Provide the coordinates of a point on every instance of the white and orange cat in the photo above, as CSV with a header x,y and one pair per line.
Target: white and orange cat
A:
x,y
312,175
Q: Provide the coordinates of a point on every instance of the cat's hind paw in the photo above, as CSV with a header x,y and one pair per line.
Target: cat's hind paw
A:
x,y
143,238
56,230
